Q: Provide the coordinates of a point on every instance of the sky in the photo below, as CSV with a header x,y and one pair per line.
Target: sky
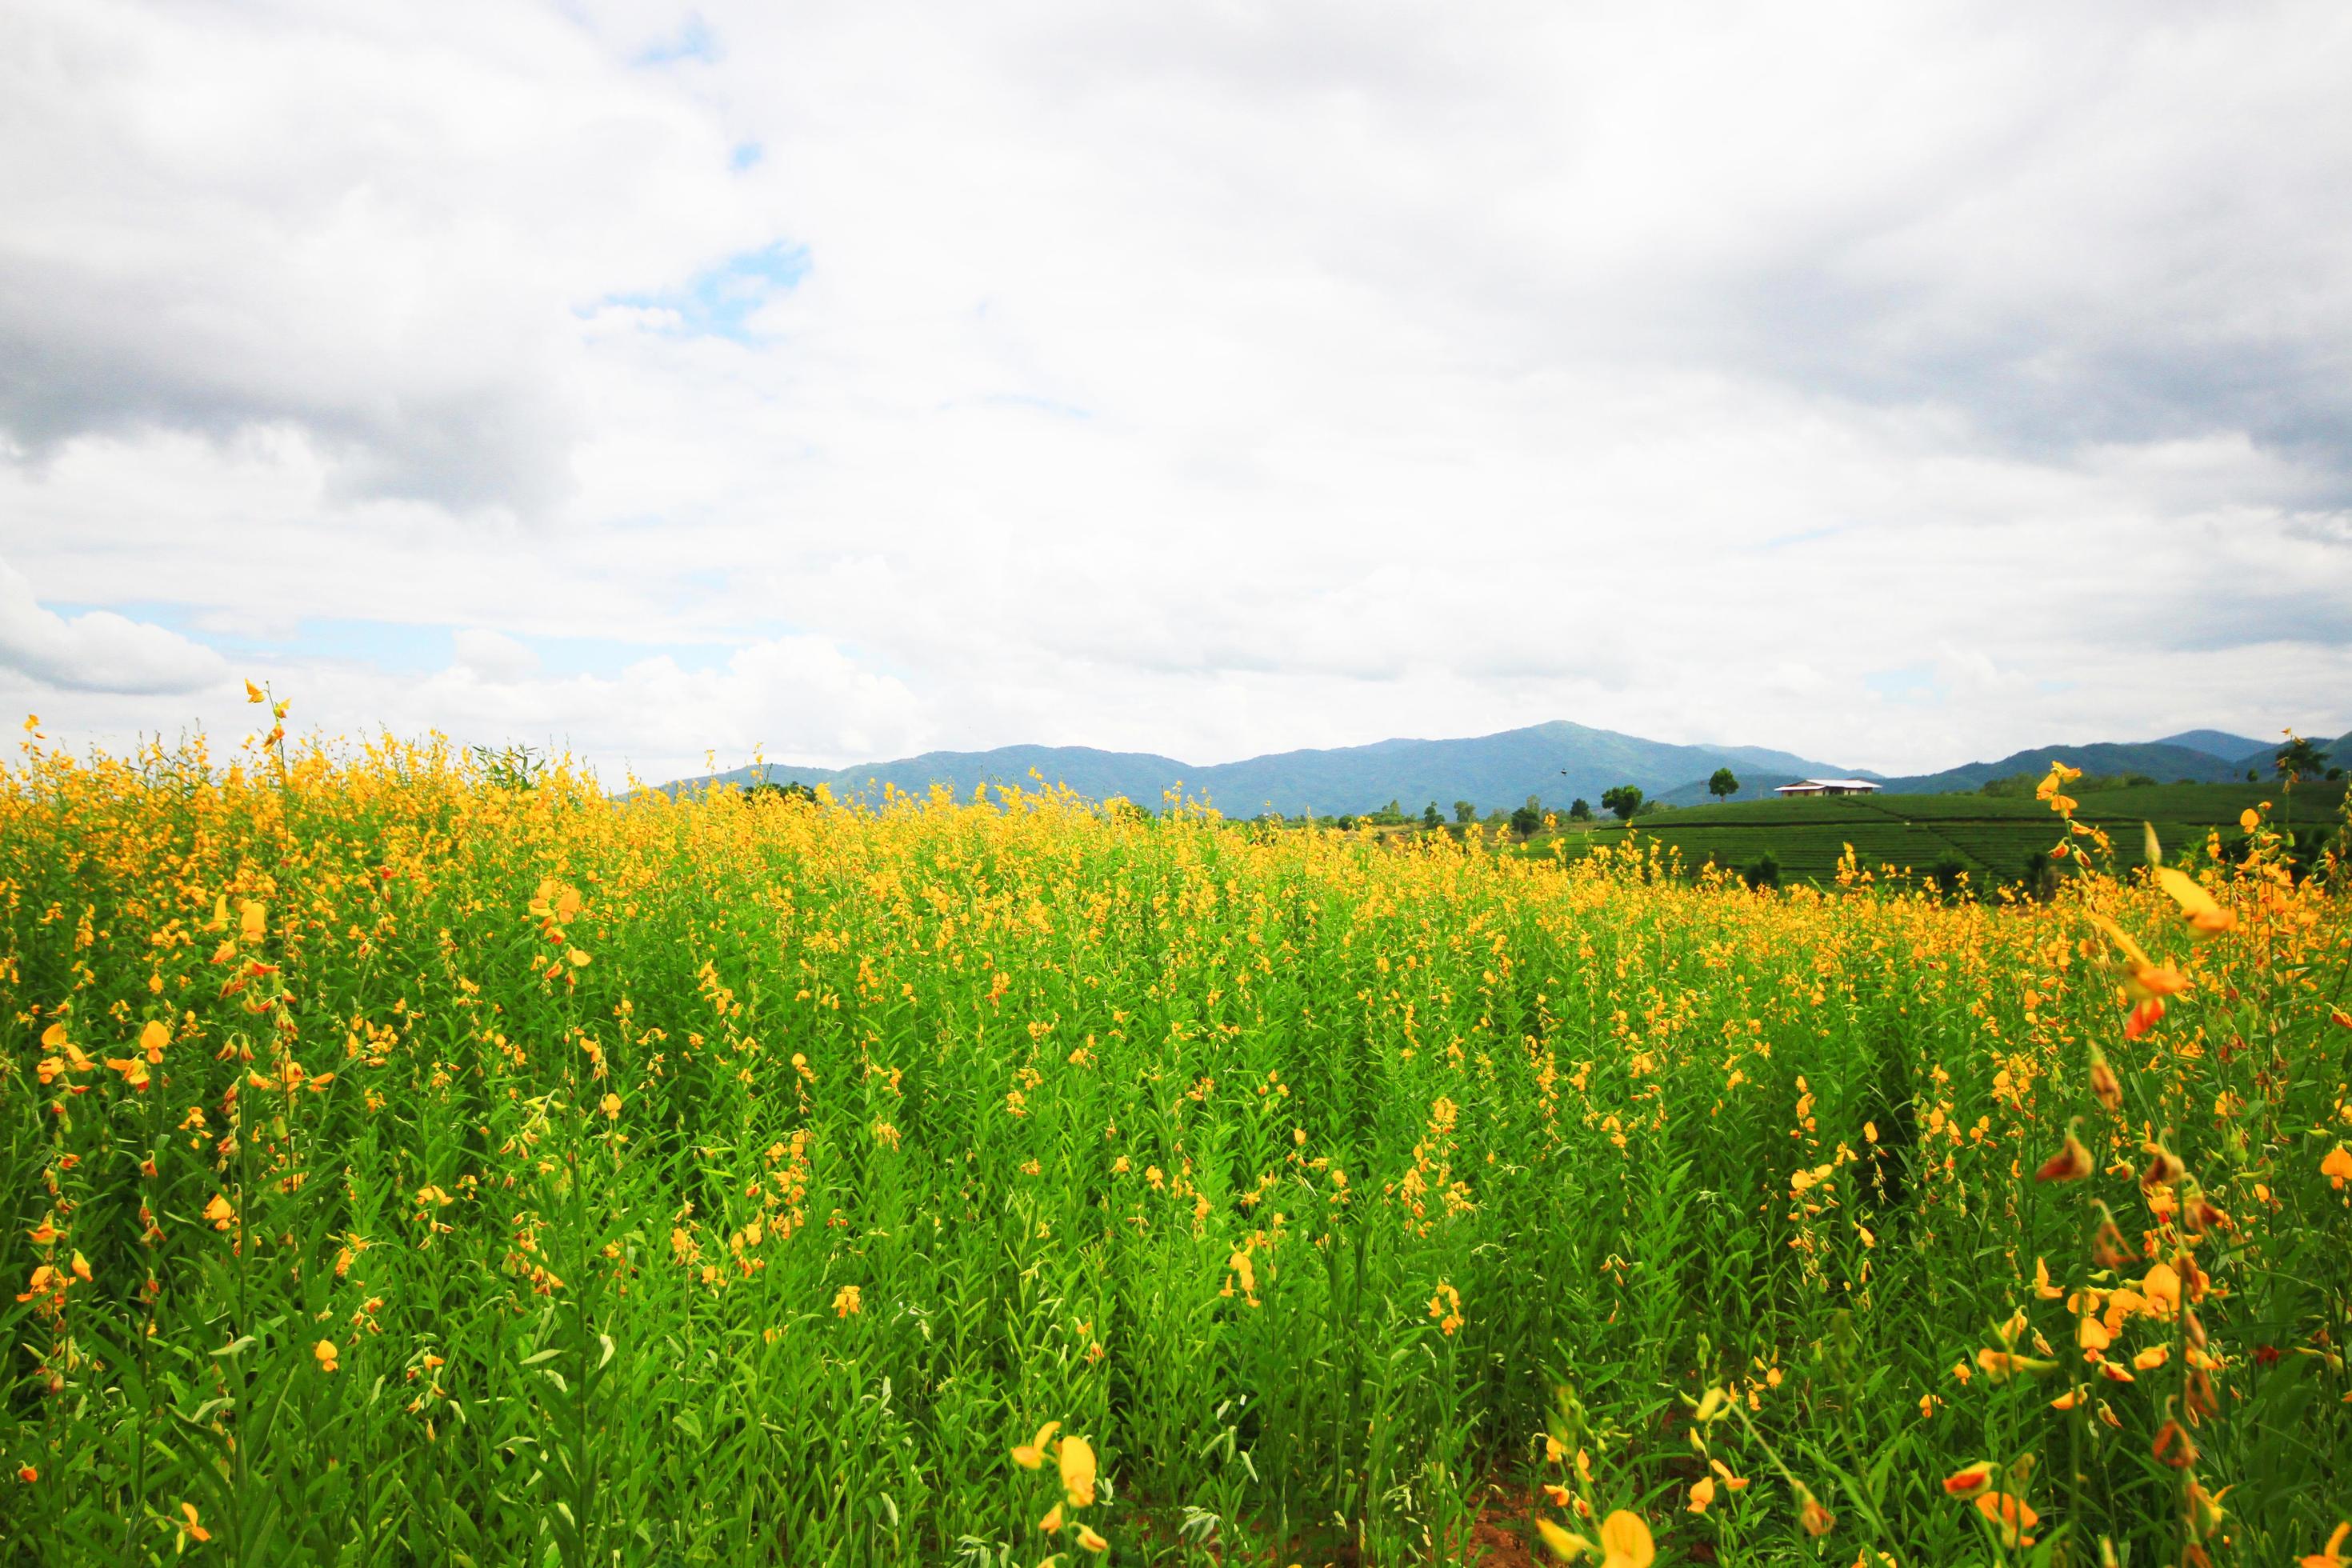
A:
x,y
1895,385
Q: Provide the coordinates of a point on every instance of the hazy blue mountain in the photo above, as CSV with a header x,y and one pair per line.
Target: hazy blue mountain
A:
x,y
2221,743
2160,759
1098,774
1555,762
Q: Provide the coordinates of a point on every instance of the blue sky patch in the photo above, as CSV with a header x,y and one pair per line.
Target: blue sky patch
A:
x,y
694,40
719,302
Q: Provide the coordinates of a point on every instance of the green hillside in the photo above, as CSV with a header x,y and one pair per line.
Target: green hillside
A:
x,y
1993,839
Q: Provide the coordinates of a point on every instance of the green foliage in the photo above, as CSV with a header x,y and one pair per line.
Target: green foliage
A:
x,y
543,1180
1624,800
1724,783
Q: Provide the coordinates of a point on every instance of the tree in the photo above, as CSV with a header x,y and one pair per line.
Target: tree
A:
x,y
1764,873
1431,816
2300,758
1579,810
1724,783
1465,812
1527,818
1624,800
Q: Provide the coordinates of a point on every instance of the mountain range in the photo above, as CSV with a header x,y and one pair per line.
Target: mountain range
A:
x,y
1557,762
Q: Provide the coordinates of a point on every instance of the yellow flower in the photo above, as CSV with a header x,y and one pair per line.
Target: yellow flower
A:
x,y
253,920
1078,1459
2338,1166
846,1301
1563,1544
2205,916
2249,819
1029,1455
1052,1520
1702,1493
253,692
326,1352
1090,1541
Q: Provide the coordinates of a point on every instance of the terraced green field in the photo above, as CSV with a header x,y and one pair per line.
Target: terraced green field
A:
x,y
1993,839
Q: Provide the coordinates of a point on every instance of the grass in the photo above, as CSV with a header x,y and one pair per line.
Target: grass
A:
x,y
404,1163
1992,839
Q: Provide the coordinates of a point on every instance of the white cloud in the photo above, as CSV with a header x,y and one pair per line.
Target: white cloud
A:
x,y
98,650
493,655
1204,382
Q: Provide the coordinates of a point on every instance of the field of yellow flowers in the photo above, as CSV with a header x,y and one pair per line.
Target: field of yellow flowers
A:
x,y
402,1163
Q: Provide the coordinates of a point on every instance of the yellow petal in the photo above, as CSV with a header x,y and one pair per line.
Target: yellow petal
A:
x,y
1564,1545
1078,1471
1625,1542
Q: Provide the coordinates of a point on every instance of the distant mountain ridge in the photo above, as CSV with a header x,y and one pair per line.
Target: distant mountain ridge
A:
x,y
2221,743
1557,762
2167,761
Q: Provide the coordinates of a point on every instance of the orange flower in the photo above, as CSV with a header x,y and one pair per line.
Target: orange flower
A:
x,y
2010,1516
2104,1083
26,1474
2002,1366
1702,1493
2172,1446
2153,1357
2338,1167
1817,1520
1090,1541
2164,1167
189,1528
326,1352
2331,1557
1969,1480
845,1302
2070,1164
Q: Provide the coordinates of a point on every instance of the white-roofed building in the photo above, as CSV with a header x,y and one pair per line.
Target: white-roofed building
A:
x,y
1827,787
